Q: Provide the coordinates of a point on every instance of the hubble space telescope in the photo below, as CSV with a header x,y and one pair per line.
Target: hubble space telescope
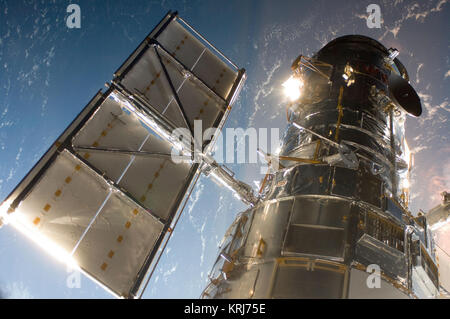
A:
x,y
107,195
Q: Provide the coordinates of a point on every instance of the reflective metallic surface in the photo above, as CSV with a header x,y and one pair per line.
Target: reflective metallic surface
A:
x,y
438,220
337,204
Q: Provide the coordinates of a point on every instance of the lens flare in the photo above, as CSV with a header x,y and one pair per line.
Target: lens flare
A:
x,y
292,88
22,224
406,183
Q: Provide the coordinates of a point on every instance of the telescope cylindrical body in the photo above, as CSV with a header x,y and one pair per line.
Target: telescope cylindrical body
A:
x,y
334,215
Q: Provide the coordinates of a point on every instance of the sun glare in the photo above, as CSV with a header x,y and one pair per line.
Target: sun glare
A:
x,y
292,88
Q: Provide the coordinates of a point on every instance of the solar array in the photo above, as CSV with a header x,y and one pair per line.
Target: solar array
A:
x,y
106,195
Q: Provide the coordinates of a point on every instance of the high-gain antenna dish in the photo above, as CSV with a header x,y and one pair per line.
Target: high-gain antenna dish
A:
x,y
404,95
